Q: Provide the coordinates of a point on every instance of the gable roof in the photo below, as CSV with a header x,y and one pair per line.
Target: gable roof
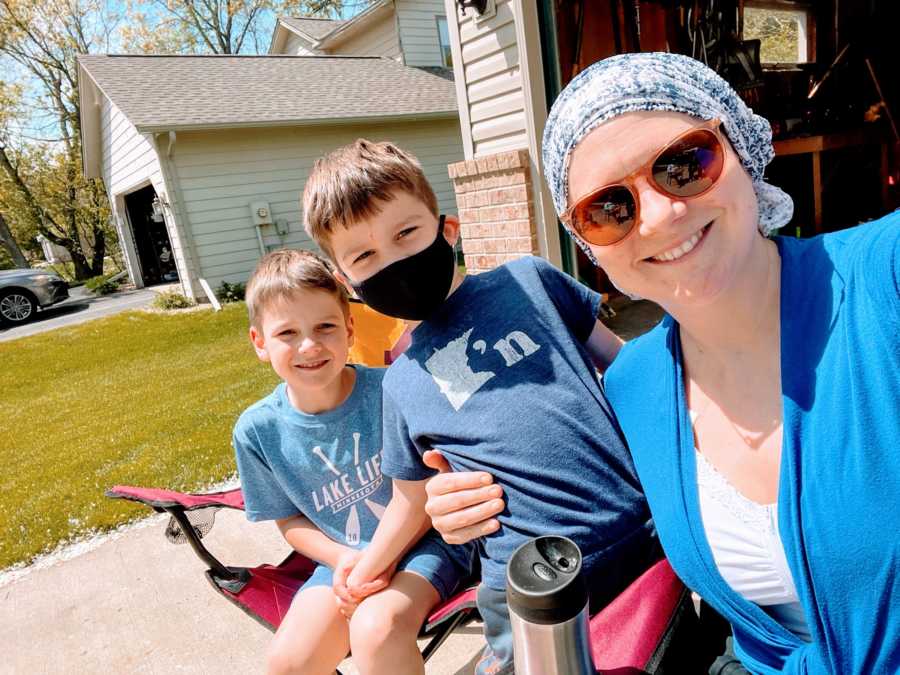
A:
x,y
314,29
323,33
166,93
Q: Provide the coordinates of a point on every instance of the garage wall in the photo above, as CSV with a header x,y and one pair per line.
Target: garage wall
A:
x,y
129,161
221,172
489,79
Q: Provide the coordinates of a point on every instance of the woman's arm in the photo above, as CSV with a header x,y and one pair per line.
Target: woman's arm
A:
x,y
462,505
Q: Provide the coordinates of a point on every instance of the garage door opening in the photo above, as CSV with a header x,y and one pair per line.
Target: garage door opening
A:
x,y
151,238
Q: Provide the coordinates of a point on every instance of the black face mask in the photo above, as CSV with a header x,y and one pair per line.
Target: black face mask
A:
x,y
414,287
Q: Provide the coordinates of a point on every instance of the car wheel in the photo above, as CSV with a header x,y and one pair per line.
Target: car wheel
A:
x,y
16,306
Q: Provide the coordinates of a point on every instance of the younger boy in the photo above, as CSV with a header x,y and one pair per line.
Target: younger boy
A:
x,y
309,458
498,377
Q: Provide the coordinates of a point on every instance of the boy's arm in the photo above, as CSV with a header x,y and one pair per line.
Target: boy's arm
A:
x,y
403,523
603,345
579,306
310,541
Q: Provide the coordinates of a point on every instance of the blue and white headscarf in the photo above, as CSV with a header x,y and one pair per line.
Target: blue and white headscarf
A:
x,y
659,81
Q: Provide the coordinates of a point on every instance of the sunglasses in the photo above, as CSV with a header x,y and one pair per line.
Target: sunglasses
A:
x,y
686,168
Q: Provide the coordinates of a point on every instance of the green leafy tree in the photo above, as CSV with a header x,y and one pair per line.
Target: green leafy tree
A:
x,y
216,26
40,40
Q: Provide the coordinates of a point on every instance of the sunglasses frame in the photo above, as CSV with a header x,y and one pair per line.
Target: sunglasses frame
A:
x,y
646,171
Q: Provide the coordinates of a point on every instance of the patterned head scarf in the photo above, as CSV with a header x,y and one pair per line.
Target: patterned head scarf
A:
x,y
659,81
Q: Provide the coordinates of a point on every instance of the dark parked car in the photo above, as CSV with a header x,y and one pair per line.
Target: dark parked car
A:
x,y
22,291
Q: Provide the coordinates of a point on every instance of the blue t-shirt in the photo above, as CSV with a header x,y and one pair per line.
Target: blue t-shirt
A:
x,y
499,380
325,466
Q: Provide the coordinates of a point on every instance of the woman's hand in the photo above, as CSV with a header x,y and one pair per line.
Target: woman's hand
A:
x,y
461,504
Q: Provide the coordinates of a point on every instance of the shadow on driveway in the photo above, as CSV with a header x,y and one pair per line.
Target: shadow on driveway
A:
x,y
82,306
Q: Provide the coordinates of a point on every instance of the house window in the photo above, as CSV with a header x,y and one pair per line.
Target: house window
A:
x,y
785,29
444,39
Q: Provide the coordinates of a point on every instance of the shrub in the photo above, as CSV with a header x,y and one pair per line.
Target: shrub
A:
x,y
172,300
227,292
102,285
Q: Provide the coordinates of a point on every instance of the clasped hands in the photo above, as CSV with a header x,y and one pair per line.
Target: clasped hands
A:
x,y
461,505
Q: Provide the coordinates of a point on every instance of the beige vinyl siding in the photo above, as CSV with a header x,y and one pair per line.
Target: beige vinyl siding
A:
x,y
129,159
492,81
419,39
129,162
297,46
221,172
376,39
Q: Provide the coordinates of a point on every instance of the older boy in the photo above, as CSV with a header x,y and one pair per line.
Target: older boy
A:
x,y
499,377
309,458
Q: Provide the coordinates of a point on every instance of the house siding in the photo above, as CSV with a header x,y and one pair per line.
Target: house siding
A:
x,y
297,46
492,80
419,39
377,39
129,162
220,173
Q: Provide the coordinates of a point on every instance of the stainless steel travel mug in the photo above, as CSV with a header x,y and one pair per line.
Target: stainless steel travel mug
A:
x,y
548,608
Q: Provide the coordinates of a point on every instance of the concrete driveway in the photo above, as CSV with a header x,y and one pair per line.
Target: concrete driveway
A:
x,y
138,604
81,306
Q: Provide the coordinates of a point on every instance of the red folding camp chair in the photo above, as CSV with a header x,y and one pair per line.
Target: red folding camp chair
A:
x,y
646,629
265,592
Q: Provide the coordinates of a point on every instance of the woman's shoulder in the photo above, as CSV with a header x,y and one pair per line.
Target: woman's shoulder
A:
x,y
639,360
878,240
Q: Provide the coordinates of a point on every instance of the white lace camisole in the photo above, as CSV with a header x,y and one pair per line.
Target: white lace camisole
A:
x,y
747,548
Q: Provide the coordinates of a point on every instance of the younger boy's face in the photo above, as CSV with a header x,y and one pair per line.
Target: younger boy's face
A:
x,y
306,337
402,227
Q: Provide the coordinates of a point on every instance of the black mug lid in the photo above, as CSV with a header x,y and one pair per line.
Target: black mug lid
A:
x,y
544,583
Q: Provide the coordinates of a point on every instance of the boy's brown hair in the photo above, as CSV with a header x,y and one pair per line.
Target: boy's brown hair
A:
x,y
281,273
345,183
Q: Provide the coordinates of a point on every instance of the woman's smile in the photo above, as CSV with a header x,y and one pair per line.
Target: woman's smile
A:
x,y
679,251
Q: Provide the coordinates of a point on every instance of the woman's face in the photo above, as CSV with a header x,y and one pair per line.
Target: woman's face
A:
x,y
655,260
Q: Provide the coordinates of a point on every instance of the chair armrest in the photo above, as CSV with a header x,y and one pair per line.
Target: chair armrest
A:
x,y
160,499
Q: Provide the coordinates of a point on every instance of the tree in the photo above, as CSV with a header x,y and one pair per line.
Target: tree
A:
x,y
43,38
10,244
216,26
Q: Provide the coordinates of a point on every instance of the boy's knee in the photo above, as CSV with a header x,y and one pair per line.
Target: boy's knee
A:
x,y
375,624
282,660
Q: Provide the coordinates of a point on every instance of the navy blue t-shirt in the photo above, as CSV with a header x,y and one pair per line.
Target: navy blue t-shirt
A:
x,y
499,380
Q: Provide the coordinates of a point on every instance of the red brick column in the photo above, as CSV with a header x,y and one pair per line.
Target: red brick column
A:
x,y
496,209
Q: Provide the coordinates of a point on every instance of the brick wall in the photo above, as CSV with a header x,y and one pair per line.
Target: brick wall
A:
x,y
496,209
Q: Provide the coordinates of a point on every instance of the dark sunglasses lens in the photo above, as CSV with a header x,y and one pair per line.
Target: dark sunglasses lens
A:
x,y
691,165
606,217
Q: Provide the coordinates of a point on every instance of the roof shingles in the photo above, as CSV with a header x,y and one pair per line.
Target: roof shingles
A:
x,y
177,92
314,28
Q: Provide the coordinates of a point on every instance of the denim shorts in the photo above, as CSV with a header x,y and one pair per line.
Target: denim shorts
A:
x,y
444,566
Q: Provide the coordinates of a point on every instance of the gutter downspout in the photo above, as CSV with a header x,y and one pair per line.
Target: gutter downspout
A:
x,y
179,213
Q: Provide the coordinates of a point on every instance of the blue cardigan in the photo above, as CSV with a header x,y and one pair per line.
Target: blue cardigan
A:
x,y
839,487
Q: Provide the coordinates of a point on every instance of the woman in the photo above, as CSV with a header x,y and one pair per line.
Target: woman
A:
x,y
763,413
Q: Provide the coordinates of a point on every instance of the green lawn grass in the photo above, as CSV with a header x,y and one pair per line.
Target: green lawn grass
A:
x,y
142,399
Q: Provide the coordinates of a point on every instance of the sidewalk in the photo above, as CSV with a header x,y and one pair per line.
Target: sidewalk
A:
x,y
138,604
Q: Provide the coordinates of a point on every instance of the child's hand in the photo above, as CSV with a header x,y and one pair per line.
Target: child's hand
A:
x,y
348,599
345,600
360,588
